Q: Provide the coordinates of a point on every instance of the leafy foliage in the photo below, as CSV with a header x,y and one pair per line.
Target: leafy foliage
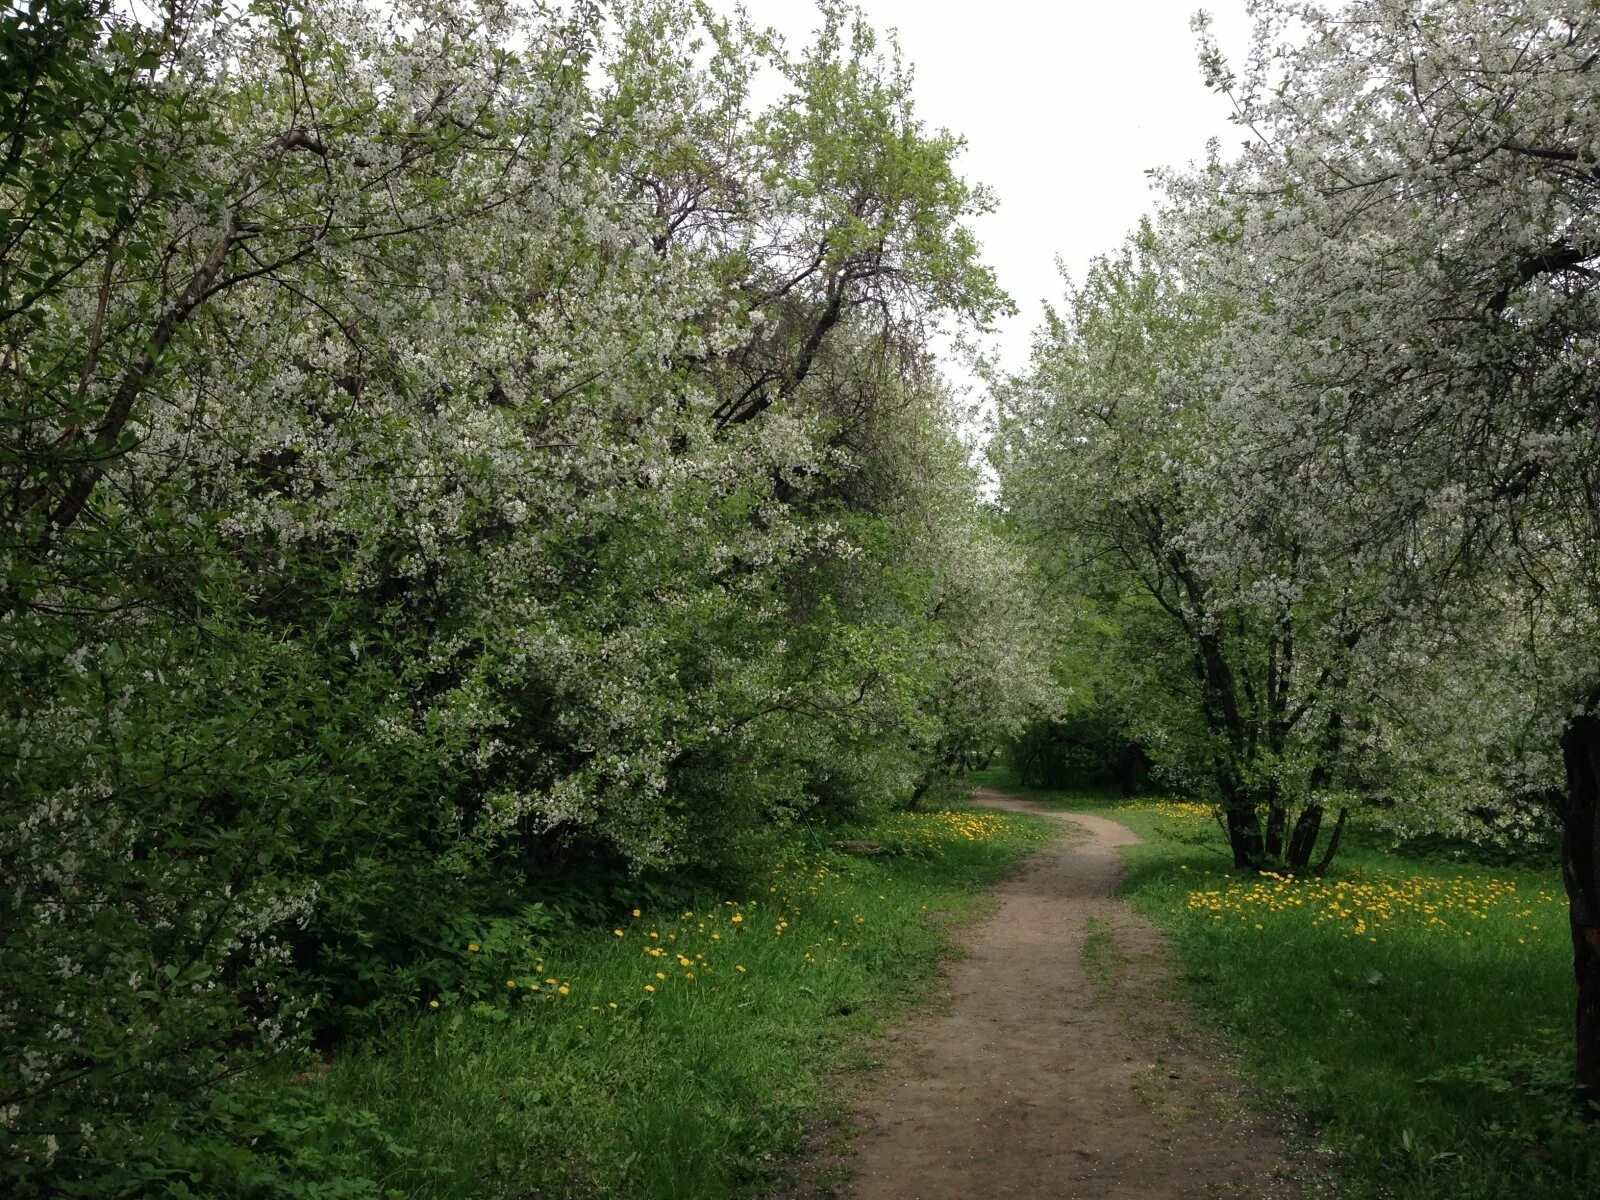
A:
x,y
1321,439
448,449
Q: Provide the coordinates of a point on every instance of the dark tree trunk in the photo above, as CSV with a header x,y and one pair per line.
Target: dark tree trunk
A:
x,y
1304,838
1580,870
1277,822
917,793
1244,837
1333,843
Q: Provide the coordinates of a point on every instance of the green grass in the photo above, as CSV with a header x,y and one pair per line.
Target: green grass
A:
x,y
1102,957
704,1086
1428,1049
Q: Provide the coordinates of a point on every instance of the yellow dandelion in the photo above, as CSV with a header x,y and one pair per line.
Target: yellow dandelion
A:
x,y
472,946
649,987
564,990
433,1004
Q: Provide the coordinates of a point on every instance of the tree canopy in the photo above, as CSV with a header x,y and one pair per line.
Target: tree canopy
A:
x,y
1322,438
447,447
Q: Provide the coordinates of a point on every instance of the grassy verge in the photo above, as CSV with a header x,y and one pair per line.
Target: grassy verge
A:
x,y
677,1052
1416,1010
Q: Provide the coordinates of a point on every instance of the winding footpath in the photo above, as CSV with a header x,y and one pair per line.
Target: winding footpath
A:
x,y
1063,1066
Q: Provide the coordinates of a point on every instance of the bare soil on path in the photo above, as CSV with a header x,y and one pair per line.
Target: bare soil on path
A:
x,y
1064,1066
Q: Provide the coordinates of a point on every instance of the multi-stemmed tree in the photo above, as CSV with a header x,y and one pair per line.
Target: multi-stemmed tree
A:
x,y
1408,247
1251,622
1330,437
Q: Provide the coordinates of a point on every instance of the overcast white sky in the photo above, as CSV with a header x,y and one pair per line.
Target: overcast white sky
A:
x,y
1064,106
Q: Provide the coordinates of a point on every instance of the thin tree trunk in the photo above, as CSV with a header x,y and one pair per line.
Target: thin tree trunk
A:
x,y
917,793
134,380
1277,823
1333,843
1580,870
1304,838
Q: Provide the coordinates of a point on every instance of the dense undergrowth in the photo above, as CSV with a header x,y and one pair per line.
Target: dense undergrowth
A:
x,y
454,454
1414,1007
679,1047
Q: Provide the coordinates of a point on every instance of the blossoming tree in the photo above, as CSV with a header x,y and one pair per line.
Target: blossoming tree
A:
x,y
1406,253
444,444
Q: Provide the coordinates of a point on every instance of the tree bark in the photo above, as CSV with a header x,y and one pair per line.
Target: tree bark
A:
x,y
1304,838
1244,836
132,385
1333,843
1580,871
1277,824
917,793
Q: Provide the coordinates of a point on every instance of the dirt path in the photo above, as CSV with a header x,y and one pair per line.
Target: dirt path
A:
x,y
1062,1069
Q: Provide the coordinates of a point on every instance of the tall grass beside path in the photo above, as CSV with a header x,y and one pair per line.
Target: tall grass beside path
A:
x,y
680,1052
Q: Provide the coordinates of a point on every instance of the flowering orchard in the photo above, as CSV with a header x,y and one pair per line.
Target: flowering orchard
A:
x,y
1315,453
447,448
